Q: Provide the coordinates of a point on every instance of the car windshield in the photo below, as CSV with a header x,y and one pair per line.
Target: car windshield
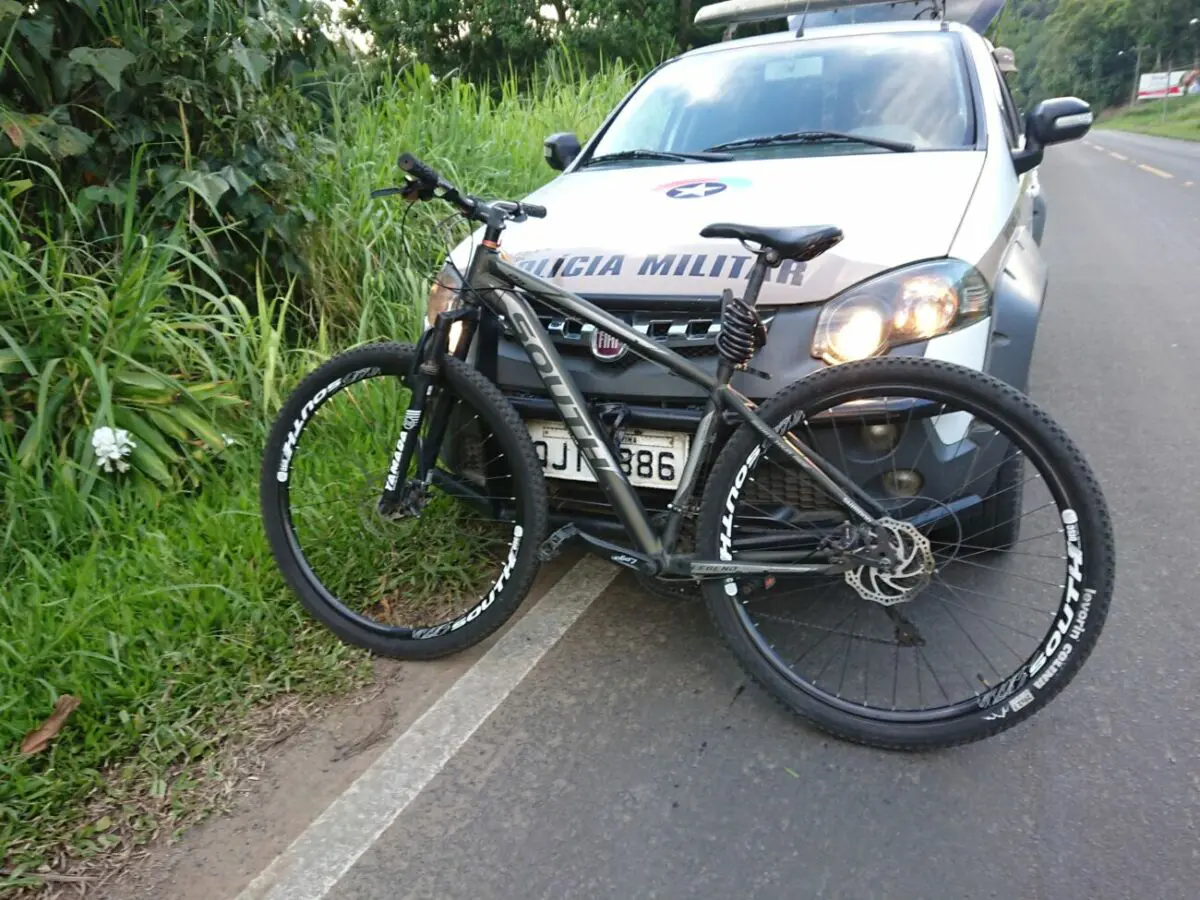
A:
x,y
908,88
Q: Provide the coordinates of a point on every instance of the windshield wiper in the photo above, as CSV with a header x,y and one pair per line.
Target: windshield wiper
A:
x,y
667,155
815,137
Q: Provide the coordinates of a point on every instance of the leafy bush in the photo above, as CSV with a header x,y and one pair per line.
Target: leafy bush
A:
x,y
211,92
119,336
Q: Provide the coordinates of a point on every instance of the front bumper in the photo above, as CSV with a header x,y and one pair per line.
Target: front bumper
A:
x,y
648,397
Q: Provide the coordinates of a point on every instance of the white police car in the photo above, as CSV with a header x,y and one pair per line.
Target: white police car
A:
x,y
889,120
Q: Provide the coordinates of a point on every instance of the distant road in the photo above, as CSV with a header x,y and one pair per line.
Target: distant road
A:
x,y
1168,156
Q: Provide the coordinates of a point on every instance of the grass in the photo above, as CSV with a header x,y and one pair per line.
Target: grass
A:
x,y
371,260
151,595
166,623
1182,120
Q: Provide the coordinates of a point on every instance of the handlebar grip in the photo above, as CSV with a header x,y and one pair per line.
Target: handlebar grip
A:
x,y
423,173
533,210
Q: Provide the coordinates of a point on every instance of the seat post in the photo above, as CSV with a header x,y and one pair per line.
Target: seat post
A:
x,y
765,260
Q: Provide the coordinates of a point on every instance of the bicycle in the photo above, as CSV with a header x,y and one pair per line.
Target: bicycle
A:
x,y
769,517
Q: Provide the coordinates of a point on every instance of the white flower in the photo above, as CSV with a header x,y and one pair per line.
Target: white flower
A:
x,y
229,441
112,446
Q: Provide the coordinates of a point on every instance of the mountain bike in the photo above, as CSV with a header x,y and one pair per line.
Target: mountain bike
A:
x,y
837,587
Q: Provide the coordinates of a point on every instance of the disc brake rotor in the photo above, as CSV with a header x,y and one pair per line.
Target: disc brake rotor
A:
x,y
914,565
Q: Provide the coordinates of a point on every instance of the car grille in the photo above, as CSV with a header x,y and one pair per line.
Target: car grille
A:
x,y
691,332
772,485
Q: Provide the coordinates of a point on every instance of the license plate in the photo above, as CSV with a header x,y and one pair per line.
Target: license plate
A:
x,y
652,459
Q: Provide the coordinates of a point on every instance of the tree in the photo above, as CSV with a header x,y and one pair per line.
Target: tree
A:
x,y
479,39
1089,47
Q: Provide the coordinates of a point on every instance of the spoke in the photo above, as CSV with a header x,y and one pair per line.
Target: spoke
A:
x,y
976,565
867,672
971,475
1007,646
933,672
846,658
983,549
949,557
775,496
896,675
976,612
974,644
821,641
774,594
1036,476
917,669
979,593
1025,515
812,602
816,678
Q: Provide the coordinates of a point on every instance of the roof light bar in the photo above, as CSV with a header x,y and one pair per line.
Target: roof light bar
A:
x,y
977,14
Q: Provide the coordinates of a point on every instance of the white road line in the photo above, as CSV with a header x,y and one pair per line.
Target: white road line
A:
x,y
351,824
1116,155
1153,171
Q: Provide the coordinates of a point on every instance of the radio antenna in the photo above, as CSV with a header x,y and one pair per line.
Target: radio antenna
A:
x,y
803,16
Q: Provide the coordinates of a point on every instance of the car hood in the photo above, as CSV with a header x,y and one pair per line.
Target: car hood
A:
x,y
635,230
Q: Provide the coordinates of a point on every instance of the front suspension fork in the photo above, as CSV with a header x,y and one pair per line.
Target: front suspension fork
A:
x,y
402,495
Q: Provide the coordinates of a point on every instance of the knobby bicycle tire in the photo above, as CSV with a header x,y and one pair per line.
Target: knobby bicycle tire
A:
x,y
495,606
1083,605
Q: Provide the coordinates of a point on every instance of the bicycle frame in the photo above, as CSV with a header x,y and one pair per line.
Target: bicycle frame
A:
x,y
497,284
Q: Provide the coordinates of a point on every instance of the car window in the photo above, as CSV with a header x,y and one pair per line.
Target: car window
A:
x,y
905,87
1012,118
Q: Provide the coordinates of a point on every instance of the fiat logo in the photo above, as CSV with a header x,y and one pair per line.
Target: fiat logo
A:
x,y
605,347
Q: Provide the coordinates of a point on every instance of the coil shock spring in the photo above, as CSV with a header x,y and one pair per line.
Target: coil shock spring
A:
x,y
742,331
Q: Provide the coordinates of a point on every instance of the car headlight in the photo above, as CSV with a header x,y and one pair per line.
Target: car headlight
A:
x,y
902,307
444,296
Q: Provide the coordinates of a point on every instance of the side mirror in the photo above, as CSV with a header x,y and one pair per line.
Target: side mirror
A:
x,y
1052,122
560,150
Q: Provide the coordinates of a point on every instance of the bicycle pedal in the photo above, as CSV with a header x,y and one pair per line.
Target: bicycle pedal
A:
x,y
552,546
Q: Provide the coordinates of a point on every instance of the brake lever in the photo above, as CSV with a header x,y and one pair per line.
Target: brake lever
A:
x,y
513,211
410,192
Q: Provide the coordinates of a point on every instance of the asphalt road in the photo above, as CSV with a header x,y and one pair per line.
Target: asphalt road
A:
x,y
634,761
1165,159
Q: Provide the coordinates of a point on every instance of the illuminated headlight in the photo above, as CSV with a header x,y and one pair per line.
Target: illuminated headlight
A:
x,y
902,307
444,296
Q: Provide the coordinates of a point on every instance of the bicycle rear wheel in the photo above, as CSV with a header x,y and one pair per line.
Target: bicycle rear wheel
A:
x,y
449,567
870,655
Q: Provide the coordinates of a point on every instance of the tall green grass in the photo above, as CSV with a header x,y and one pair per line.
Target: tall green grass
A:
x,y
1182,118
372,261
152,597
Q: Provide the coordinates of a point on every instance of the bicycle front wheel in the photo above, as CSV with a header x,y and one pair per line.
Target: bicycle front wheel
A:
x,y
1003,549
451,564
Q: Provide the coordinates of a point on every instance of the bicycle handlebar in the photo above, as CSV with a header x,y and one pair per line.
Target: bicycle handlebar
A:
x,y
426,181
425,174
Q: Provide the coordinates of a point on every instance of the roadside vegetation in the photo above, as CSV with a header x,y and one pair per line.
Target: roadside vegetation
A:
x,y
185,229
183,234
1182,119
1092,48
